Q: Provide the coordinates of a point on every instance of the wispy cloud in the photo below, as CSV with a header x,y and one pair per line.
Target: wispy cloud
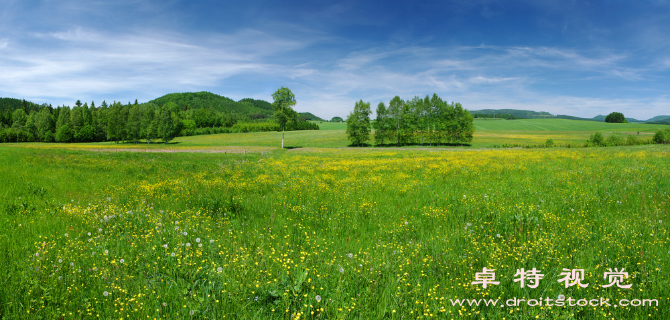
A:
x,y
80,62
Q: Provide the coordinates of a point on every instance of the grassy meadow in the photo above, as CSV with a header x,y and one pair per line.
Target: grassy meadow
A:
x,y
240,229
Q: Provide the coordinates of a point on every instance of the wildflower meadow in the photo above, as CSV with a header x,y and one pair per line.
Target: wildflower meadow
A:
x,y
333,233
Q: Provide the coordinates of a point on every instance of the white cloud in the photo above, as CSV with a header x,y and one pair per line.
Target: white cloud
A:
x,y
80,63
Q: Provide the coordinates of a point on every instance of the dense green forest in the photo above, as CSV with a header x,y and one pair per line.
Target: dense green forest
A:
x,y
177,114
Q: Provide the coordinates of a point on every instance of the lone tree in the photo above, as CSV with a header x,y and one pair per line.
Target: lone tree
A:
x,y
283,102
358,123
616,117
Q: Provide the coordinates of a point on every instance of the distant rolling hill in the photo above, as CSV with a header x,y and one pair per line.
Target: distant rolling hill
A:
x,y
659,119
255,109
252,108
523,114
309,116
527,114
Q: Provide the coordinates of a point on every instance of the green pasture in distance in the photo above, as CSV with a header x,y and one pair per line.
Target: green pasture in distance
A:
x,y
331,125
562,125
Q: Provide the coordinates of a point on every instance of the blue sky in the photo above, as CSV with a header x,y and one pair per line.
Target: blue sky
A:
x,y
580,58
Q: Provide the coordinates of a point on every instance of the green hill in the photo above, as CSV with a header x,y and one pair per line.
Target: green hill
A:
x,y
11,104
523,114
255,109
309,116
262,104
247,107
659,119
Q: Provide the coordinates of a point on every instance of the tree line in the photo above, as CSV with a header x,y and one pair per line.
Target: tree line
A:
x,y
430,121
119,122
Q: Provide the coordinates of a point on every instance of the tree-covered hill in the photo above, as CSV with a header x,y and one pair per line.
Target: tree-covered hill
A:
x,y
523,114
659,119
309,116
253,109
11,104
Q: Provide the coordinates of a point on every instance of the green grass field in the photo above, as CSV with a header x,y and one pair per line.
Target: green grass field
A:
x,y
240,229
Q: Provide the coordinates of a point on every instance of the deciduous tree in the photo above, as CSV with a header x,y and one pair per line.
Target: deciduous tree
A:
x,y
283,102
358,123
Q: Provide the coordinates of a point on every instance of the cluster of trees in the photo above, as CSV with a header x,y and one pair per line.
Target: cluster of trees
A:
x,y
615,117
417,121
662,136
27,122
